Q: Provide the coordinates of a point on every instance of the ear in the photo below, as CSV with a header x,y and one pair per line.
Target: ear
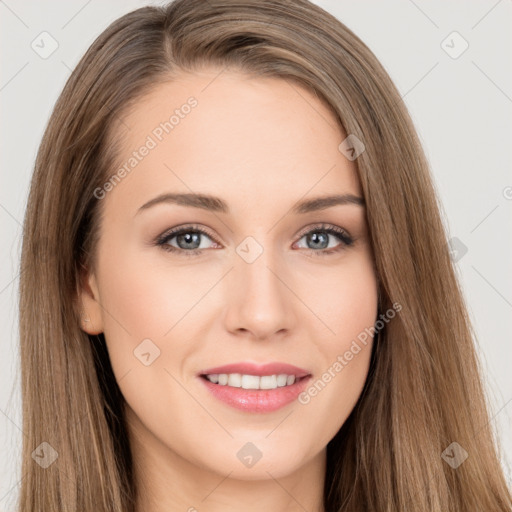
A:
x,y
91,320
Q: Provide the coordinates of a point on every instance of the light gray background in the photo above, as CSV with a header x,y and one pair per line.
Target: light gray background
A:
x,y
461,108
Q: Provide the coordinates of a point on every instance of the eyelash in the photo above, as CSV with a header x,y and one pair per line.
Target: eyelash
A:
x,y
345,239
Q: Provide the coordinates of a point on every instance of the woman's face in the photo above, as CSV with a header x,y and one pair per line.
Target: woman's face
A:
x,y
271,282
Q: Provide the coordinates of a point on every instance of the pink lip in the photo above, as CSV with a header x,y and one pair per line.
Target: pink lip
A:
x,y
248,368
257,400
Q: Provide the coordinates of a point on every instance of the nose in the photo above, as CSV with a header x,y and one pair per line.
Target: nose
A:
x,y
261,300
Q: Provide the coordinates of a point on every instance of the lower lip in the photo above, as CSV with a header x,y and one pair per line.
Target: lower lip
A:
x,y
256,400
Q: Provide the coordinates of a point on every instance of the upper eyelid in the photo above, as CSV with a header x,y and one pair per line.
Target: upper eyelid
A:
x,y
171,233
321,226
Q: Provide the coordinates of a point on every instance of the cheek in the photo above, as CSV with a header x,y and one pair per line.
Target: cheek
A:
x,y
153,307
143,298
346,303
139,302
344,299
353,321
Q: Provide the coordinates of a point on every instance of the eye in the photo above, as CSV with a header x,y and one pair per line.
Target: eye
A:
x,y
320,237
185,239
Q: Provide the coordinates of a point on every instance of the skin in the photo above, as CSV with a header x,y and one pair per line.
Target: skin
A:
x,y
260,144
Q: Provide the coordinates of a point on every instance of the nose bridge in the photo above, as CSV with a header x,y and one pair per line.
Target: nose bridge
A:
x,y
260,302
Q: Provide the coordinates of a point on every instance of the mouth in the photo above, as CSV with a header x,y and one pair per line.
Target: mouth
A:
x,y
250,375
253,382
255,388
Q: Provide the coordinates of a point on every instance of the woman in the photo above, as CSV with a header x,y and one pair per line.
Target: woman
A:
x,y
236,289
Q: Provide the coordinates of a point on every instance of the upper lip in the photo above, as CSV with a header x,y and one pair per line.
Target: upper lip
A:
x,y
248,368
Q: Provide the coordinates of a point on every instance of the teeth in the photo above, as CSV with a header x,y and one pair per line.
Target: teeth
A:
x,y
234,380
237,380
268,382
282,380
250,382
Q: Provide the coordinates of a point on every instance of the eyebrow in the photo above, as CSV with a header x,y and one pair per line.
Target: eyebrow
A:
x,y
216,204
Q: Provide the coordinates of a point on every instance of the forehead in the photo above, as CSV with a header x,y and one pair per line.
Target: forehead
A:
x,y
219,131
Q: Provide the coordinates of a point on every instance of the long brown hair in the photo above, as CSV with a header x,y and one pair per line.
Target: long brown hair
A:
x,y
424,389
